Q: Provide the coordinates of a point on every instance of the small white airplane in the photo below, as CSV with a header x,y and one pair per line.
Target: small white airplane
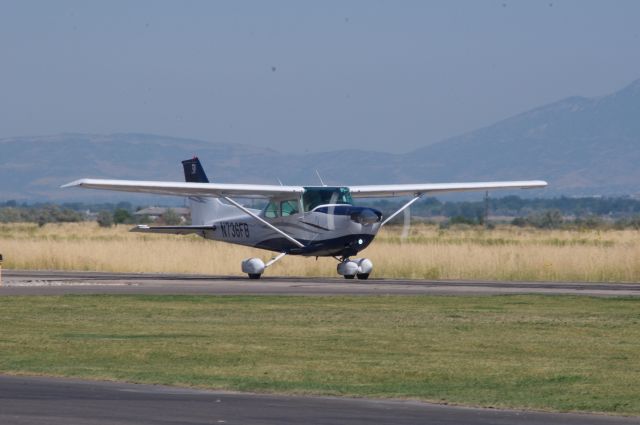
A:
x,y
313,221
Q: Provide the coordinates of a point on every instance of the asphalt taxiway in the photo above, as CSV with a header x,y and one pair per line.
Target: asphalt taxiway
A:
x,y
54,401
17,282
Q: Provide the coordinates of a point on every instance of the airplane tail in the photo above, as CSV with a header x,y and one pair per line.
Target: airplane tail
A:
x,y
193,171
204,210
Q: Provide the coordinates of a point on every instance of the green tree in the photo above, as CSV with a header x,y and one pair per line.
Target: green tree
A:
x,y
519,221
550,219
10,215
121,215
460,219
105,218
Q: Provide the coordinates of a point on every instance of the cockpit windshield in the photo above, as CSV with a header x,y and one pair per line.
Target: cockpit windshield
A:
x,y
314,196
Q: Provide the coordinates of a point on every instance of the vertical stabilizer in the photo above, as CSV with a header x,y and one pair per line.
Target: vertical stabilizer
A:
x,y
193,171
204,210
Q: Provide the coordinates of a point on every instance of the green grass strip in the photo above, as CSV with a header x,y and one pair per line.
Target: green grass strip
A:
x,y
540,352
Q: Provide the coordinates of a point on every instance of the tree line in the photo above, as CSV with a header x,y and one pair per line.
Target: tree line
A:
x,y
105,214
589,212
550,213
514,206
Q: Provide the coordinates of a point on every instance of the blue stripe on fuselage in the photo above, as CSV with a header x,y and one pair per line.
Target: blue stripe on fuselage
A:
x,y
338,209
341,246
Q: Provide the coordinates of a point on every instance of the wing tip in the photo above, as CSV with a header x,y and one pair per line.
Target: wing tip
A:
x,y
539,184
73,184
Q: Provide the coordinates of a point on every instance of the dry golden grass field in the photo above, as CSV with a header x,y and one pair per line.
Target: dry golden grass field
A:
x,y
504,253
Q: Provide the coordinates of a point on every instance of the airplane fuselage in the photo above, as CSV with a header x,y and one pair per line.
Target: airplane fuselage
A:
x,y
328,230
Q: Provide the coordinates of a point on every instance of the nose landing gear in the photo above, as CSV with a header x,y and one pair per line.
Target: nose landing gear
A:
x,y
359,267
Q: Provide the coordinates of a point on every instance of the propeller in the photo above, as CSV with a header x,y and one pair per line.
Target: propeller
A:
x,y
406,226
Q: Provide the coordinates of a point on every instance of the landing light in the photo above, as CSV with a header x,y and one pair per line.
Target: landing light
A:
x,y
360,241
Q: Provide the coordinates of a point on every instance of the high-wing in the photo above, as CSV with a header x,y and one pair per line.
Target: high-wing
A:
x,y
381,191
266,191
189,189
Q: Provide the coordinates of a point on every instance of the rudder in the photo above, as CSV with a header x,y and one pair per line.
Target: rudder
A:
x,y
193,171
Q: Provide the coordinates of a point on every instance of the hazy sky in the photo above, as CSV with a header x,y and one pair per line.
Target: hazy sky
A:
x,y
302,75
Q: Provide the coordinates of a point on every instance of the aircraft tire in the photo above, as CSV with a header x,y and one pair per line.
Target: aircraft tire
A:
x,y
254,276
349,276
363,276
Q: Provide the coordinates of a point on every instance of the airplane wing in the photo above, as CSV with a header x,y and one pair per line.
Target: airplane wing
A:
x,y
266,191
389,190
188,189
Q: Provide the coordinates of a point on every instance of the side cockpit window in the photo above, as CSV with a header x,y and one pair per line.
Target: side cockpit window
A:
x,y
277,208
344,196
311,199
289,207
271,210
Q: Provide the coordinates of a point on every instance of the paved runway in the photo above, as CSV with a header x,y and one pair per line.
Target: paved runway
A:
x,y
17,282
51,401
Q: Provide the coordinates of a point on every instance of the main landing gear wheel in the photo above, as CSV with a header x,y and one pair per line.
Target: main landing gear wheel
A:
x,y
359,267
254,267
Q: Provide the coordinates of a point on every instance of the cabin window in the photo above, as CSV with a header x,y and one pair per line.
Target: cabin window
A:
x,y
271,210
289,207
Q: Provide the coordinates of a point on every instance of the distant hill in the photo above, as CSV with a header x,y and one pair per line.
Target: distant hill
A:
x,y
33,168
582,146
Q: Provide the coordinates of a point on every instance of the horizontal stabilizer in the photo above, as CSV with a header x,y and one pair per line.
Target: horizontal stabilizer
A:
x,y
173,230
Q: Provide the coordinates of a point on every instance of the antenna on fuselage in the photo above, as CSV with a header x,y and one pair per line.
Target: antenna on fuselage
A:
x,y
279,181
321,182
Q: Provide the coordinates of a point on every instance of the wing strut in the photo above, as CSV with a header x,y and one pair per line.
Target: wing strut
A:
x,y
404,207
274,259
263,221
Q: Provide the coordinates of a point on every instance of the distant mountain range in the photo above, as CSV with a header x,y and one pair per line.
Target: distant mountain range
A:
x,y
582,146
